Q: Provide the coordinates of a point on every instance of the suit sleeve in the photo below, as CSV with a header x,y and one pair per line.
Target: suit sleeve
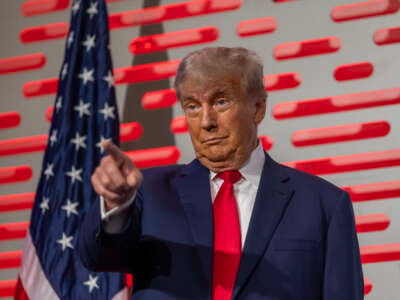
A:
x,y
101,251
343,278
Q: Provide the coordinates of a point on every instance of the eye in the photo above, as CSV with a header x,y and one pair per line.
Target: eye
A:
x,y
222,102
191,108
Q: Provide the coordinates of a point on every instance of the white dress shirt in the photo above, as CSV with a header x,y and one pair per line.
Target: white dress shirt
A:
x,y
245,191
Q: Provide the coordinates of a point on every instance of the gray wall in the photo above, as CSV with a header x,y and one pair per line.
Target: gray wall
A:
x,y
297,20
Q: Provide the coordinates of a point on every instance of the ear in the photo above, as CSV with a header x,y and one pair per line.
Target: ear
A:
x,y
261,107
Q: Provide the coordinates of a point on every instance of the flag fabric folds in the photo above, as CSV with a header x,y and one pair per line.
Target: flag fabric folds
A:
x,y
85,114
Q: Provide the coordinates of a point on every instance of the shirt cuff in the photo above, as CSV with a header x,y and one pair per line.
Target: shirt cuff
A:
x,y
115,219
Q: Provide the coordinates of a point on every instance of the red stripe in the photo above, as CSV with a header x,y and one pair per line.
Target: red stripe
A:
x,y
15,174
170,12
9,119
306,48
44,32
373,191
256,26
20,293
348,163
387,36
353,71
159,99
15,230
380,253
22,63
155,157
16,202
281,81
36,7
159,42
342,133
10,259
365,9
338,103
375,222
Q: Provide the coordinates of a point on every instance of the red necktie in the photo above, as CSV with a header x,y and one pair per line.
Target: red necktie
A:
x,y
227,238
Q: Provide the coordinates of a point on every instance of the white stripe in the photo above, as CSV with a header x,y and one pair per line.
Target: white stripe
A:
x,y
122,294
35,283
32,277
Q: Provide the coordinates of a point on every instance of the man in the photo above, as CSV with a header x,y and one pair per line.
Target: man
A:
x,y
232,224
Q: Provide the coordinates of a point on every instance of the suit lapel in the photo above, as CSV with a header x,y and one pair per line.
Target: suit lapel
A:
x,y
193,187
272,198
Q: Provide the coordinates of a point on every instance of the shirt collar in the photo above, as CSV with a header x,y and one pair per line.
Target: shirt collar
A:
x,y
252,168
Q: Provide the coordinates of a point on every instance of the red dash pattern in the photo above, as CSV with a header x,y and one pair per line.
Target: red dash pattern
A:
x,y
364,9
307,48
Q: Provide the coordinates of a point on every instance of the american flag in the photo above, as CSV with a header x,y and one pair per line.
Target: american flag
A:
x,y
85,114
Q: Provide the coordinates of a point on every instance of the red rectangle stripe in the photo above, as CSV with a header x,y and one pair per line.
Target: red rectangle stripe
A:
x,y
155,156
159,42
10,259
16,202
282,81
341,133
307,48
22,63
348,163
170,12
256,26
44,32
364,9
36,7
380,253
9,119
15,174
373,191
17,230
375,222
146,72
159,99
386,36
338,103
23,145
353,71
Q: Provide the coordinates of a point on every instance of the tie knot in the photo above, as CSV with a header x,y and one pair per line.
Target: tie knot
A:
x,y
230,176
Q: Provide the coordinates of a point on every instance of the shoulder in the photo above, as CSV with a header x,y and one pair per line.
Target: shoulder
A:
x,y
310,191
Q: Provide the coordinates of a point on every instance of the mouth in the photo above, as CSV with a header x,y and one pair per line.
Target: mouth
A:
x,y
213,140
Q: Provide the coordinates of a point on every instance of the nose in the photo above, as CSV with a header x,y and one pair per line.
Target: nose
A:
x,y
208,118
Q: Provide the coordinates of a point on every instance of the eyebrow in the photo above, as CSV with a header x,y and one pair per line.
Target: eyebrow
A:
x,y
213,94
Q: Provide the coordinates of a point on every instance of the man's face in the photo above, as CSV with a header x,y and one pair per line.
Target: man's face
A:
x,y
222,120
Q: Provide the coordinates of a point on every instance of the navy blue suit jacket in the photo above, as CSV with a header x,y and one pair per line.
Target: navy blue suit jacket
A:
x,y
301,242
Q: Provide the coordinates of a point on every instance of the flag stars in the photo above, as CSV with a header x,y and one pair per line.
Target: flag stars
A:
x,y
70,39
109,79
89,43
65,241
70,208
58,103
49,171
82,108
64,71
100,144
53,137
75,174
76,7
108,111
92,10
44,205
79,141
86,75
92,283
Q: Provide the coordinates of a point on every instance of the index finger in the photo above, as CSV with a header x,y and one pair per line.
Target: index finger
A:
x,y
114,151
